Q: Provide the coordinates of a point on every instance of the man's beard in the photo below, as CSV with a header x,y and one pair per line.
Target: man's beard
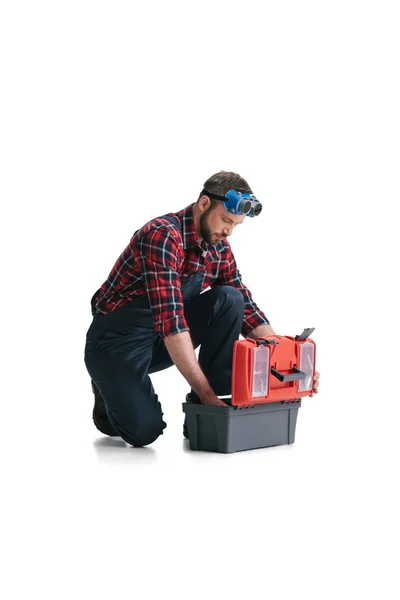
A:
x,y
205,231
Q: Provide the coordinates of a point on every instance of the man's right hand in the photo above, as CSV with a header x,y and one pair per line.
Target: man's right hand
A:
x,y
181,351
211,400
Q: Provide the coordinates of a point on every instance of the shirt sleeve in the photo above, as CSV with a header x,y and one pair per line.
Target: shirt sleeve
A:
x,y
160,255
230,275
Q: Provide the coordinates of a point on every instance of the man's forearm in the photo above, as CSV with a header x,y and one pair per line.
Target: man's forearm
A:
x,y
261,331
181,351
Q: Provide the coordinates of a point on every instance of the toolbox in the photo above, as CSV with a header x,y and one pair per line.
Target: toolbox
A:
x,y
270,376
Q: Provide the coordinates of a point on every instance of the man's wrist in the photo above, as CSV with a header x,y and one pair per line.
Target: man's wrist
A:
x,y
261,331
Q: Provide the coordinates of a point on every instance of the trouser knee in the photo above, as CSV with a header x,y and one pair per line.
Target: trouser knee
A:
x,y
232,297
140,432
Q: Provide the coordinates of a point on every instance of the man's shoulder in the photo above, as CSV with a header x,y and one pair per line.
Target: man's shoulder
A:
x,y
161,227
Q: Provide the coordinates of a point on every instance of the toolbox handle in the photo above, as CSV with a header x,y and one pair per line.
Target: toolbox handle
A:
x,y
294,375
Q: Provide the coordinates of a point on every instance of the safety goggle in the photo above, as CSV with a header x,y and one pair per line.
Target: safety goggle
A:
x,y
238,203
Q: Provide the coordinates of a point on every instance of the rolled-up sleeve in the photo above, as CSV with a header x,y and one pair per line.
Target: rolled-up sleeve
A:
x,y
160,256
230,275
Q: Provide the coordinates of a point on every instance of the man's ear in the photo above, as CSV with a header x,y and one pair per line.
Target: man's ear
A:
x,y
204,202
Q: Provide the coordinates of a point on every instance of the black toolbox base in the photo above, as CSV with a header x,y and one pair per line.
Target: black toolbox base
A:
x,y
233,428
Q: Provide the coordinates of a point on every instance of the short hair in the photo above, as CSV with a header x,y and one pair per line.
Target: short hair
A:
x,y
222,182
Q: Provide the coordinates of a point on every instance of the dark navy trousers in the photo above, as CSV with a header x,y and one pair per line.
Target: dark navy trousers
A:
x,y
122,349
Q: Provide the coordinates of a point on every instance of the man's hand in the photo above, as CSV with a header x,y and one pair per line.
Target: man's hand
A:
x,y
261,331
181,351
211,400
315,384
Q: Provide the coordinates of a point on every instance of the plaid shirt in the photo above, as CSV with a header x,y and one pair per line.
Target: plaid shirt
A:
x,y
156,259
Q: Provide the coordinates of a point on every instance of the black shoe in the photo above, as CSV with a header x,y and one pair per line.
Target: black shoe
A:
x,y
193,398
100,417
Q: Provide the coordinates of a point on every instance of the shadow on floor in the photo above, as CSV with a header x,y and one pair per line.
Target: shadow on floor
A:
x,y
113,450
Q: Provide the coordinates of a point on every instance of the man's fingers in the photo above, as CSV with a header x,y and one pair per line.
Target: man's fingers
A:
x,y
316,382
216,402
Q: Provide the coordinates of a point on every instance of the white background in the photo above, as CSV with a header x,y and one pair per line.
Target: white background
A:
x,y
113,113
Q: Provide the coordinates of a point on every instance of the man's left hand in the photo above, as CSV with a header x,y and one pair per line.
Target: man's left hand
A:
x,y
315,384
261,331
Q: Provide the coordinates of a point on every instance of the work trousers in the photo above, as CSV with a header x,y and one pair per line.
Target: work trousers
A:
x,y
123,349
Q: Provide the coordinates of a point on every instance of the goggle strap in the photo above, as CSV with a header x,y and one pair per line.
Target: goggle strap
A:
x,y
218,196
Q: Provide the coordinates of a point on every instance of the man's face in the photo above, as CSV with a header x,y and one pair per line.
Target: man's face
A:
x,y
217,223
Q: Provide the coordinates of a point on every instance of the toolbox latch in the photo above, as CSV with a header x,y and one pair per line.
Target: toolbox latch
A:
x,y
303,336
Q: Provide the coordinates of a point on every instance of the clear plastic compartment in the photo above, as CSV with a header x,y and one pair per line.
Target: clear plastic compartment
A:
x,y
307,366
260,371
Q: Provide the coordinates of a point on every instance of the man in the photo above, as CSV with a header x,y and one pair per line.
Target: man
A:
x,y
150,313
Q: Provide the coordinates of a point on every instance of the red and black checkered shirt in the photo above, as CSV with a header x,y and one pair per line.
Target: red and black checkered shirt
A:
x,y
156,259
